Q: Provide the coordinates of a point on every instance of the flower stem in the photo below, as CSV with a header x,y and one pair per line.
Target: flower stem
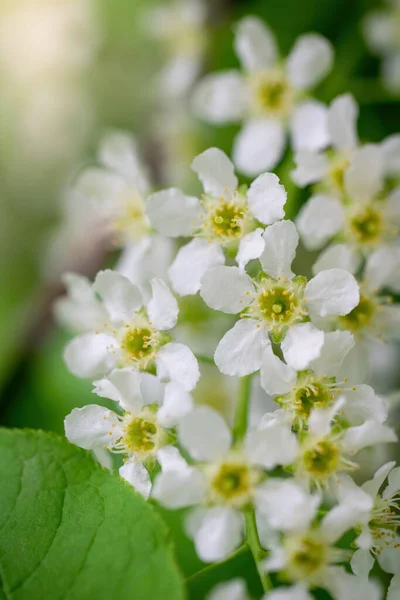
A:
x,y
253,541
211,567
242,408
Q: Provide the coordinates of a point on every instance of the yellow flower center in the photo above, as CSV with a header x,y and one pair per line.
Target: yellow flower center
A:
x,y
227,220
322,459
307,555
367,226
272,93
361,316
137,343
140,435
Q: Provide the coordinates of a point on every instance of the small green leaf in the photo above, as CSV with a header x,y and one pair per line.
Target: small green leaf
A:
x,y
70,530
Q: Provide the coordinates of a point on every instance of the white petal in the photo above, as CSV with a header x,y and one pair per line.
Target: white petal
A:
x,y
276,377
267,197
310,167
309,126
369,433
220,533
177,403
332,292
215,171
205,434
118,151
235,589
344,586
380,31
227,289
163,308
286,505
362,404
319,423
102,189
80,310
123,386
191,263
273,445
175,362
297,592
336,346
394,483
178,488
362,562
383,267
309,61
389,558
342,122
92,427
240,350
340,519
391,72
170,459
90,355
337,255
251,246
254,44
302,345
319,220
120,297
281,240
364,177
391,208
391,155
394,588
220,97
150,257
259,146
172,213
138,476
373,486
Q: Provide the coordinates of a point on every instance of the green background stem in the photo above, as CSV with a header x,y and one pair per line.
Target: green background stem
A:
x,y
242,408
257,551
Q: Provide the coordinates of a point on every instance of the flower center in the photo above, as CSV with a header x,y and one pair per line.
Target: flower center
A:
x,y
140,435
336,172
227,220
272,93
138,343
231,481
360,316
131,223
322,459
307,556
367,226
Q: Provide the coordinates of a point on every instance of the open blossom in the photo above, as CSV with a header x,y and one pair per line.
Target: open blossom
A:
x,y
236,589
227,217
298,392
122,329
223,480
116,191
269,97
305,552
149,408
277,304
381,31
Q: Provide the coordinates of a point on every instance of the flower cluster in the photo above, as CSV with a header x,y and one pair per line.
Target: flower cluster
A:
x,y
281,483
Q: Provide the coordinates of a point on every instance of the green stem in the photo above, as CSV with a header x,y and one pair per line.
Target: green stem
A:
x,y
213,566
257,551
242,408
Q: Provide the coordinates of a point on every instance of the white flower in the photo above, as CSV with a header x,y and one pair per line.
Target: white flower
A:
x,y
224,478
277,303
300,391
149,409
382,36
269,97
235,589
122,329
225,217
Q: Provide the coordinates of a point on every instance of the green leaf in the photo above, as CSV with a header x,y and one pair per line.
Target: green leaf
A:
x,y
71,530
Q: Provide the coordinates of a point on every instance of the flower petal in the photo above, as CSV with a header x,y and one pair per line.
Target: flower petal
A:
x,y
373,486
90,355
177,403
394,588
309,61
336,346
163,308
191,263
309,126
251,246
240,350
369,433
391,155
172,213
175,362
118,151
137,475
342,122
81,310
122,386
150,257
337,255
235,589
220,97
332,292
179,487
296,592
362,403
382,268
362,562
281,240
92,426
219,534
254,44
276,377
103,189
267,197
319,220
215,171
273,445
259,146
364,177
310,167
301,345
227,289
204,434
120,297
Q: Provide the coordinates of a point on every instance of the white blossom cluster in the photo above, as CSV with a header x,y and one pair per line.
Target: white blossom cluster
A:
x,y
284,485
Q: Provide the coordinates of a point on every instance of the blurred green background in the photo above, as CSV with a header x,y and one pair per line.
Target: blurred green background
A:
x,y
51,120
